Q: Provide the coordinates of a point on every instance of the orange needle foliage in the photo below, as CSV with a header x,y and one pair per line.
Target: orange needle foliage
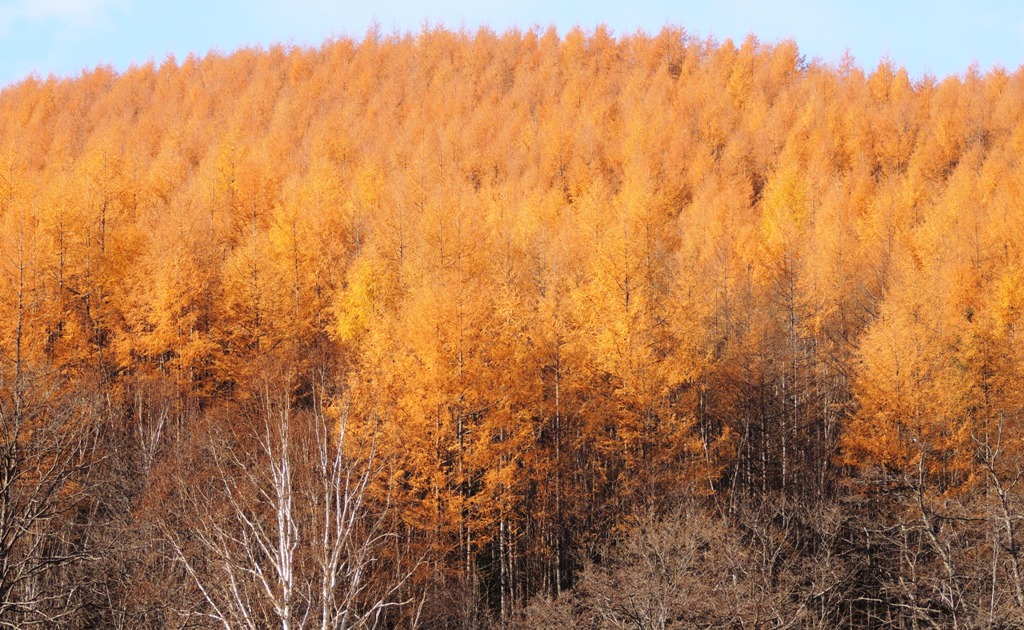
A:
x,y
551,279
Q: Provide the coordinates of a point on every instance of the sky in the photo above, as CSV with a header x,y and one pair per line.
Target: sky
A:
x,y
938,37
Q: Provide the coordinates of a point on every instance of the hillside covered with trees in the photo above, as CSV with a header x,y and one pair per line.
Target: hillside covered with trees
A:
x,y
459,329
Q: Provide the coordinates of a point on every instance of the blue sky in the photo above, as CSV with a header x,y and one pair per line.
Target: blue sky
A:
x,y
938,36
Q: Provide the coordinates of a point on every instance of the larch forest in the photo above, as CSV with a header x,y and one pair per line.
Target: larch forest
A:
x,y
528,329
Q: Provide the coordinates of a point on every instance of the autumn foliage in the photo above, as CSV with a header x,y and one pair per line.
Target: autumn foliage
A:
x,y
512,294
